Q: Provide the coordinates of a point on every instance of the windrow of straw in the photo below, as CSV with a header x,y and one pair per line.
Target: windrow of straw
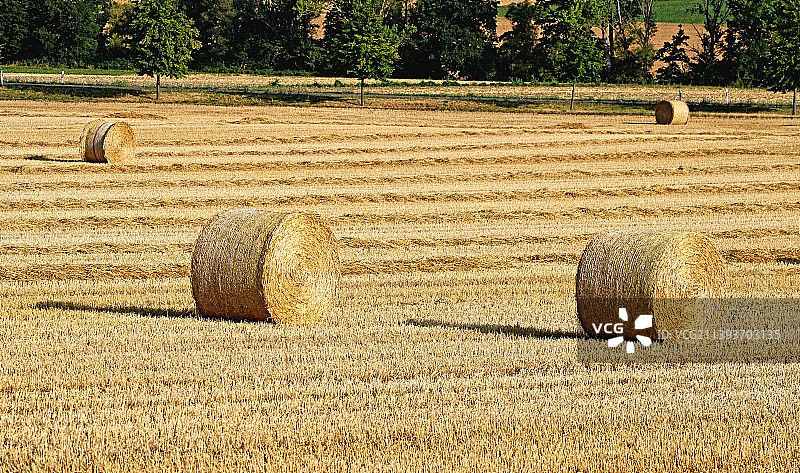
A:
x,y
251,264
677,277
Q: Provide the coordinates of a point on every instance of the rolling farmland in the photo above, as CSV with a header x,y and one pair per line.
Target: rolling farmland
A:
x,y
453,343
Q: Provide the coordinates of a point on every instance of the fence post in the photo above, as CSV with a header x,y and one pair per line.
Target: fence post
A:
x,y
680,95
572,98
794,102
727,97
62,77
2,79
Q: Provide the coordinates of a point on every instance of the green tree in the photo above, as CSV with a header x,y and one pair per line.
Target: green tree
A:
x,y
275,35
361,43
634,28
570,49
160,39
518,55
451,39
13,28
676,61
783,60
214,21
63,33
747,37
707,67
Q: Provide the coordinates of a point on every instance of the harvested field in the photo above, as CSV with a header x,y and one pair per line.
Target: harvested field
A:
x,y
453,343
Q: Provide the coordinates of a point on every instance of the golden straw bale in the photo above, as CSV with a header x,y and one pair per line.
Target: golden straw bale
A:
x,y
677,277
672,112
252,264
107,142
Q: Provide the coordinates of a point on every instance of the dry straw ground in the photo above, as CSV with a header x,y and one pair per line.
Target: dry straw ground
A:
x,y
453,345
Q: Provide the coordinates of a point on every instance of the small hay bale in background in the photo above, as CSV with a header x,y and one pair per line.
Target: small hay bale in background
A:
x,y
675,276
672,112
252,264
107,142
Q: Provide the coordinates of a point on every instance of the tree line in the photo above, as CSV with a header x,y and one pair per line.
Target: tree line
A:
x,y
744,42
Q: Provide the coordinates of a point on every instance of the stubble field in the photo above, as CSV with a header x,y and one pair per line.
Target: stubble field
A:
x,y
453,343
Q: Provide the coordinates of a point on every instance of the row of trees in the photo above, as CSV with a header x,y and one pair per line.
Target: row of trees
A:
x,y
744,42
748,42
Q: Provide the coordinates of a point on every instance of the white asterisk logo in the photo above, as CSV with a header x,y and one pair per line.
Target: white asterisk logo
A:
x,y
642,322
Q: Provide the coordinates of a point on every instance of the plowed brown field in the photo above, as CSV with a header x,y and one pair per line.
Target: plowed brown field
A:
x,y
452,346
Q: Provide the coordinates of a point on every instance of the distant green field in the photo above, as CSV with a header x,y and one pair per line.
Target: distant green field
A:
x,y
667,11
674,11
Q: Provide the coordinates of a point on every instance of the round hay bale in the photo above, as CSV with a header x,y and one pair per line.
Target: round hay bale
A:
x,y
252,264
677,277
672,112
107,142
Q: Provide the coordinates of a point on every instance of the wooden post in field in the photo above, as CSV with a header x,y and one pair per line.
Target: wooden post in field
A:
x,y
794,102
362,91
727,97
62,77
572,98
680,95
158,87
2,79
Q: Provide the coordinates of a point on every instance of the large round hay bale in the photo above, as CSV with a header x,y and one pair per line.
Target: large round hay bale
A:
x,y
107,142
672,112
252,264
677,277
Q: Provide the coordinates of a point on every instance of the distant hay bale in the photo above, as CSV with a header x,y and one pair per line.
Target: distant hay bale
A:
x,y
675,276
252,264
672,112
107,142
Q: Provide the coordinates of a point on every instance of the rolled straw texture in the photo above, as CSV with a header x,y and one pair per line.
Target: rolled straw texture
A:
x,y
672,112
252,264
108,142
677,277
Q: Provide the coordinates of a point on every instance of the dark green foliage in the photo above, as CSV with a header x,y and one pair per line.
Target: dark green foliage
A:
x,y
676,61
634,53
13,28
748,35
63,32
783,51
519,58
273,35
396,13
708,68
214,22
450,39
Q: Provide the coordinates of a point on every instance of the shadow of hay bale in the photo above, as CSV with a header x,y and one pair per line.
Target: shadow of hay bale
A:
x,y
788,260
493,329
126,310
52,159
